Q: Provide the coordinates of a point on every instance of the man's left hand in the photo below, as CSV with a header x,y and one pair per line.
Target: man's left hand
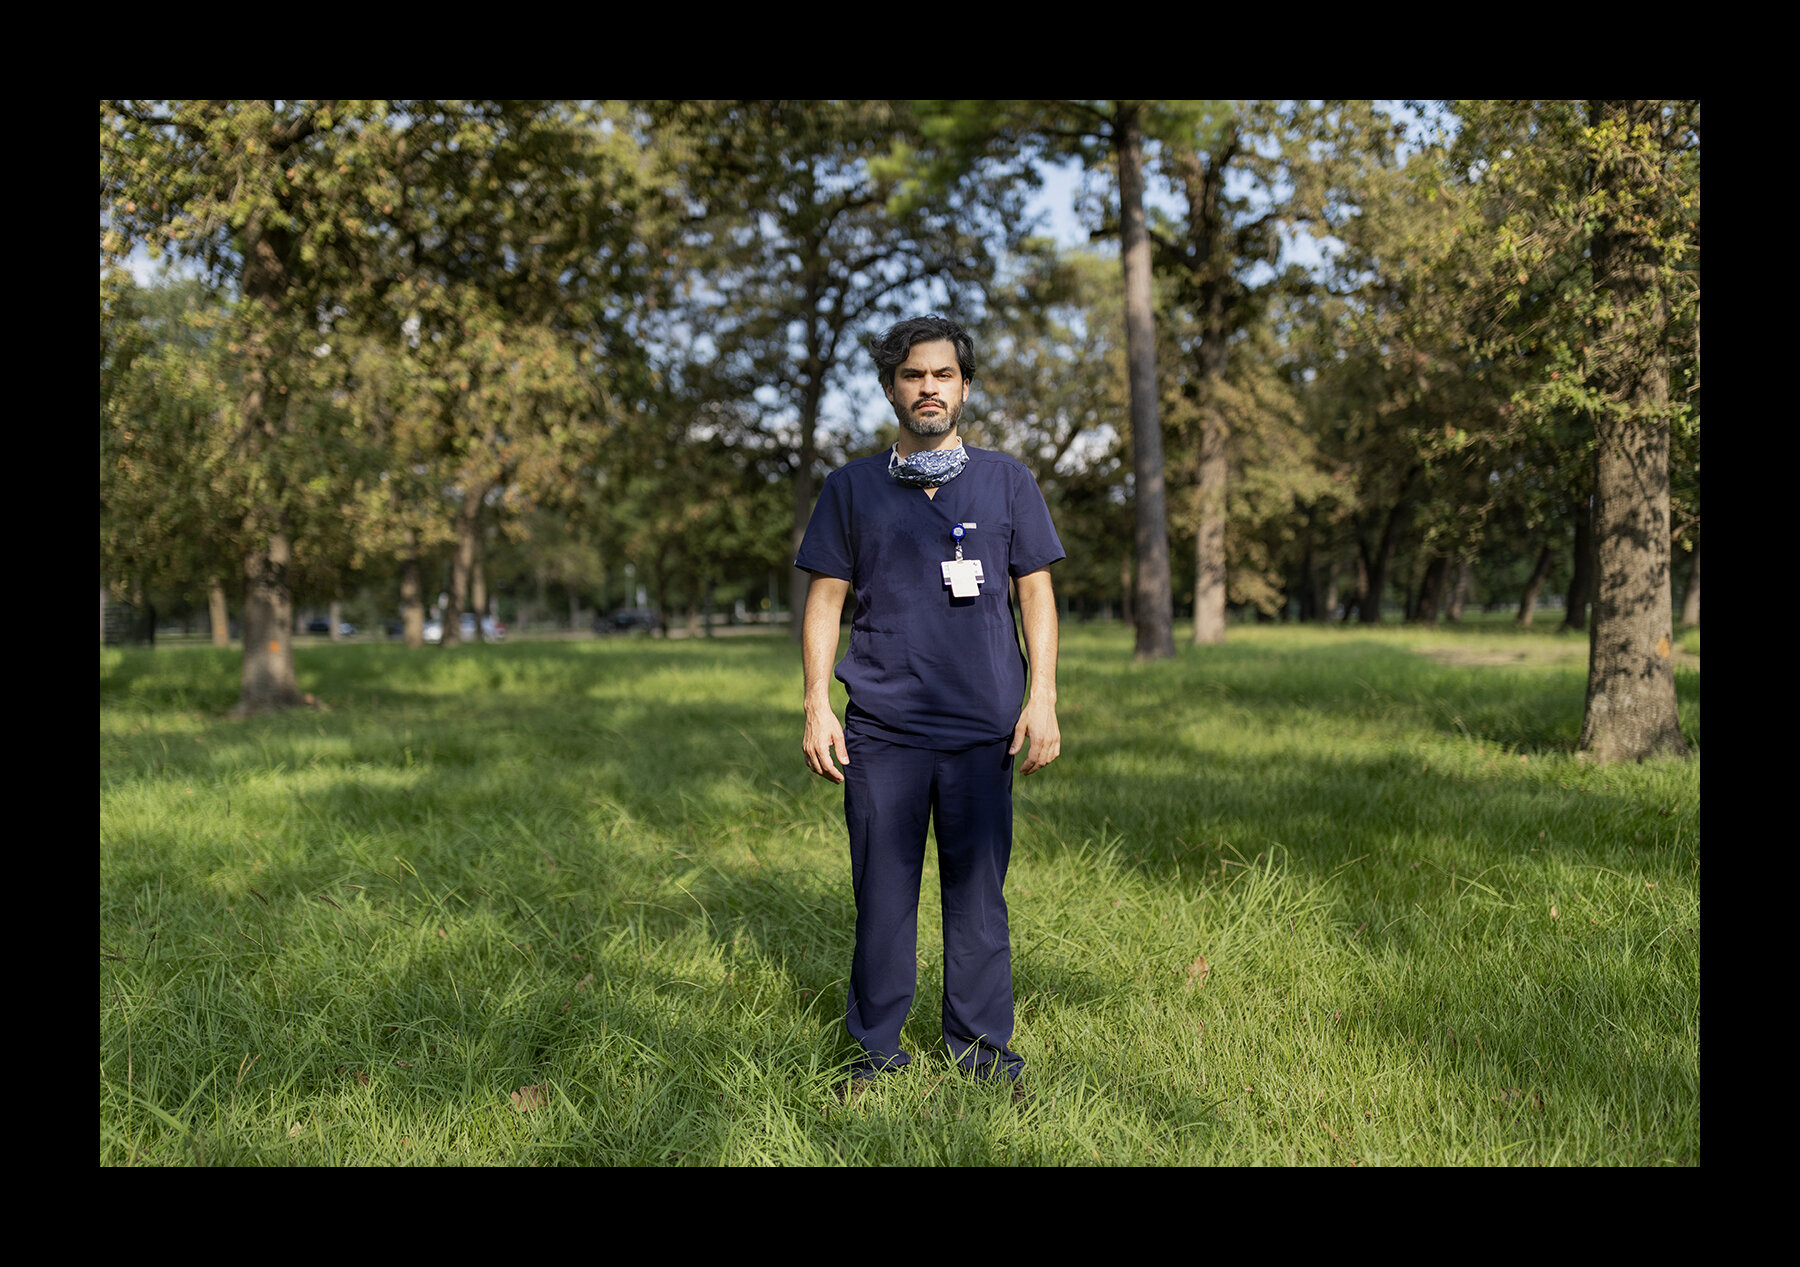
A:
x,y
1037,724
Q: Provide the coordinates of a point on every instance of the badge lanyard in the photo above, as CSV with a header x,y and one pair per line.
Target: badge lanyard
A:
x,y
962,576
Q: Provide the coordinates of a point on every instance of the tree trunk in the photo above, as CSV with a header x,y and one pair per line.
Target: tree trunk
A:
x,y
336,621
147,615
1375,583
1203,183
1690,599
1459,591
462,568
1631,707
268,674
1209,540
660,579
1155,606
1126,611
478,591
1528,600
1431,590
1581,581
268,678
811,401
412,593
1372,572
219,613
1360,594
1309,580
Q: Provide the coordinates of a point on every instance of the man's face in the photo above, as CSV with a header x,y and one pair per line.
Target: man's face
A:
x,y
929,390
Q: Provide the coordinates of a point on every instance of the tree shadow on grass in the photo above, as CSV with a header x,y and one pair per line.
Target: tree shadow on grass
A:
x,y
641,849
505,812
639,1011
1321,811
1531,703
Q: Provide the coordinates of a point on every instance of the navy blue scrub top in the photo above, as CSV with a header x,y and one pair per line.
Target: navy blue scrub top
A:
x,y
926,669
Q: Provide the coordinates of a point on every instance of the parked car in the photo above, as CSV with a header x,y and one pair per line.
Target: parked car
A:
x,y
491,629
345,628
629,618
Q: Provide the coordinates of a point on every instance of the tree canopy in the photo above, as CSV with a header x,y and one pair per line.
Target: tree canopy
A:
x,y
1356,361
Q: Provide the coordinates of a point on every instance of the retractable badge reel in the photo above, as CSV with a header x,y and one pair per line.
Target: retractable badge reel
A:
x,y
963,576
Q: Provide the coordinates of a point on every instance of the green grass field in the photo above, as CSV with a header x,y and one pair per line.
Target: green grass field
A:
x,y
1317,897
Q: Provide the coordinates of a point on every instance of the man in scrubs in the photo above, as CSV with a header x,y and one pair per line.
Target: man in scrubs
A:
x,y
927,537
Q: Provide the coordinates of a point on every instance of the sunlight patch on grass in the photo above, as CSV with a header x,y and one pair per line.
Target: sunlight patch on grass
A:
x,y
1315,897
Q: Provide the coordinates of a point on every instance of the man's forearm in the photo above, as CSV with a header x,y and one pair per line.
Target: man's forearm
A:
x,y
822,739
1037,607
819,637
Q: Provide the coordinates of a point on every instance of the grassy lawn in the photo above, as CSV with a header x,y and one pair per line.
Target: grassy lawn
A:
x,y
1317,897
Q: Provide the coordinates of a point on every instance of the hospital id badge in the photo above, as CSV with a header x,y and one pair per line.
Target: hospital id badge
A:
x,y
963,576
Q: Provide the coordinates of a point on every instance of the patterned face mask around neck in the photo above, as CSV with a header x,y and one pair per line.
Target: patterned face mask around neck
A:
x,y
928,468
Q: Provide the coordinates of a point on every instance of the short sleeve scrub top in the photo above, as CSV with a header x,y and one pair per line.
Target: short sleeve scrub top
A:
x,y
925,668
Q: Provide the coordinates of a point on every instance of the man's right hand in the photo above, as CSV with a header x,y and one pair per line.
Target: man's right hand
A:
x,y
823,738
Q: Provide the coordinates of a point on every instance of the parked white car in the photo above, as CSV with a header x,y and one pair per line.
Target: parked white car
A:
x,y
491,629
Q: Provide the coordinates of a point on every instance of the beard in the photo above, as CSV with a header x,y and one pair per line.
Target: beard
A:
x,y
947,417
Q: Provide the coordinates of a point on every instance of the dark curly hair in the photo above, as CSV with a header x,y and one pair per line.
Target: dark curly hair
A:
x,y
892,346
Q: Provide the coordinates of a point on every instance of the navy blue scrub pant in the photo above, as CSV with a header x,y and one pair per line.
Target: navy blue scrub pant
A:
x,y
891,795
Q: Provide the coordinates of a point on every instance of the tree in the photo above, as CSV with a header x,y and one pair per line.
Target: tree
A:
x,y
428,302
1262,170
1645,157
1217,298
1598,205
1053,393
1155,605
513,249
798,252
1684,458
699,499
1408,412
1274,486
1116,136
163,392
253,192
